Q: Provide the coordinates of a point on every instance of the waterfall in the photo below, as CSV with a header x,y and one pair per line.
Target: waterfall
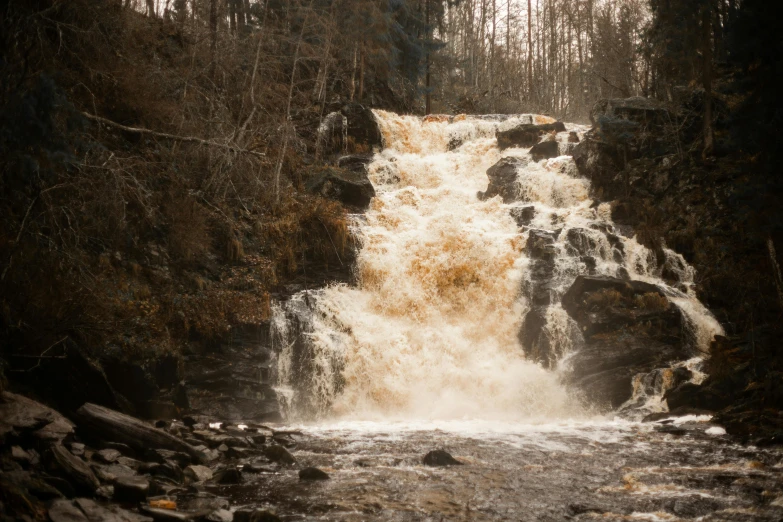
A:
x,y
431,328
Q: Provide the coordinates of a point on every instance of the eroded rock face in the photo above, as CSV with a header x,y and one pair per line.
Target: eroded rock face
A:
x,y
544,150
351,188
503,179
526,134
629,327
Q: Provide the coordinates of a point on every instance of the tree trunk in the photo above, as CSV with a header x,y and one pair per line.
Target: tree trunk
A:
x,y
427,31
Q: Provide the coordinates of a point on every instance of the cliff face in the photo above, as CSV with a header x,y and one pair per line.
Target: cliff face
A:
x,y
720,212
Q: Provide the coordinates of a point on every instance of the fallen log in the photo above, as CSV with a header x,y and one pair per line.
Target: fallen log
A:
x,y
117,427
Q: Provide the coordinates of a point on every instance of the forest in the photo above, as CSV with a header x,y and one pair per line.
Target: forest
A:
x,y
162,165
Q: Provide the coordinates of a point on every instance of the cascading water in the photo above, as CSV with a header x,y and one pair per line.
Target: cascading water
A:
x,y
444,282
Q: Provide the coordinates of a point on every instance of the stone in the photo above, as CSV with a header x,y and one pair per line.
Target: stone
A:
x,y
72,468
131,490
523,215
351,188
526,134
168,469
440,458
65,511
111,513
277,453
220,515
312,474
353,129
107,456
24,415
197,474
167,515
255,515
503,179
629,328
230,475
544,150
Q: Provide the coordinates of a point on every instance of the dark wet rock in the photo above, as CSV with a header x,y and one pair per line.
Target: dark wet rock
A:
x,y
105,423
230,475
581,241
131,490
698,396
629,328
72,468
160,455
201,502
197,473
355,162
255,467
36,485
28,417
169,470
637,109
312,474
24,457
277,453
353,189
503,179
440,458
544,150
573,137
98,513
220,515
167,515
110,473
255,515
355,122
579,509
66,511
671,429
258,438
523,215
526,134
107,456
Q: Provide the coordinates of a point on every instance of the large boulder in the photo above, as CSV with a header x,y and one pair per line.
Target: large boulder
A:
x,y
350,187
526,134
637,109
352,129
544,150
629,327
503,179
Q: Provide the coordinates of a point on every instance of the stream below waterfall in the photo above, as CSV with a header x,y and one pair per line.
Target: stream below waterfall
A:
x,y
423,352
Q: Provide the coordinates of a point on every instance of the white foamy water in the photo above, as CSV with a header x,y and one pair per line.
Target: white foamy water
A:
x,y
430,331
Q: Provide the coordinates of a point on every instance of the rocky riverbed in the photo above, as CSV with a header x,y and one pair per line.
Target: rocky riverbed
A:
x,y
608,469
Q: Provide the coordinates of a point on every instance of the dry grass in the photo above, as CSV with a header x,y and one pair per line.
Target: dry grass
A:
x,y
604,298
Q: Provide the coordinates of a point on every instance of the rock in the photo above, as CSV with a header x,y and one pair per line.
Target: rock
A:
x,y
353,189
65,511
161,455
26,458
523,215
277,453
526,134
353,129
111,472
255,515
637,109
167,515
72,468
312,474
254,467
355,162
702,397
77,448
503,179
107,456
629,328
105,423
440,458
110,513
220,515
169,470
573,137
27,416
197,474
544,150
230,475
36,485
131,490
